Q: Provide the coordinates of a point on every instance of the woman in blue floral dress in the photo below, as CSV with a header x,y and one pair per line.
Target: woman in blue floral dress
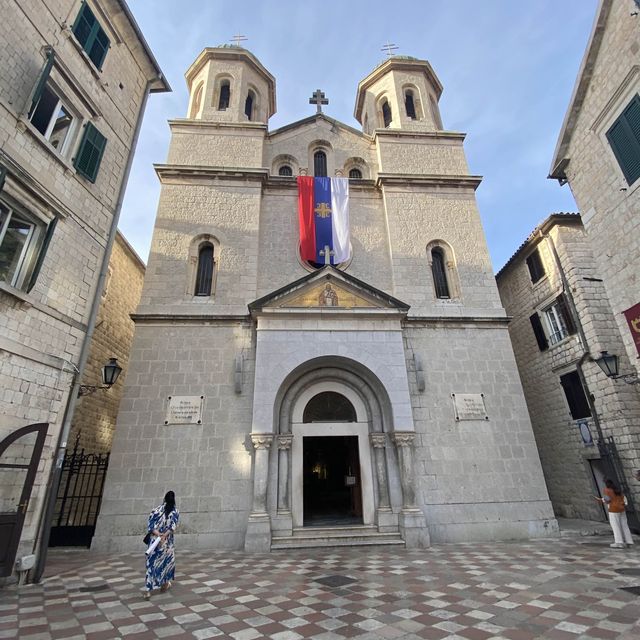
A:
x,y
161,563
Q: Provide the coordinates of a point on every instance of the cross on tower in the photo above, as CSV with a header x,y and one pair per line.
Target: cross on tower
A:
x,y
238,39
389,48
317,98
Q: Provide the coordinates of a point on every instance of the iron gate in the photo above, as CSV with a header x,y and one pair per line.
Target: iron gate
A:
x,y
79,498
611,458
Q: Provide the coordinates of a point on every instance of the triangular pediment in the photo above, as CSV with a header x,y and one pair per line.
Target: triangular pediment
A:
x,y
325,290
320,122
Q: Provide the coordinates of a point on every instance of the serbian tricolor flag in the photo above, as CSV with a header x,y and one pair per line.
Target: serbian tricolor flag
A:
x,y
323,212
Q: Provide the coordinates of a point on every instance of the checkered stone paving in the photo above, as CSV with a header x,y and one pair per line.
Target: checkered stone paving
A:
x,y
552,589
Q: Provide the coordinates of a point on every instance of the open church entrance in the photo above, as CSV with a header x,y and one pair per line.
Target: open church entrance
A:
x,y
332,491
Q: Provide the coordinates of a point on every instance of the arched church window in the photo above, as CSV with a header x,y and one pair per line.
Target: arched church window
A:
x,y
225,95
329,406
386,113
285,170
204,273
409,104
197,101
248,105
439,273
355,174
320,164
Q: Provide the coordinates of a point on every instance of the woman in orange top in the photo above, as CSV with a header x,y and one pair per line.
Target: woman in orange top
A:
x,y
614,500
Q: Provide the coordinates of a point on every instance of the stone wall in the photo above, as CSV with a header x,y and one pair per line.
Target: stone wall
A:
x,y
42,331
608,204
94,420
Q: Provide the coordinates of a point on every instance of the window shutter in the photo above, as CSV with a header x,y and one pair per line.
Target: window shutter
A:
x,y
624,138
576,398
91,35
538,331
90,151
42,81
565,312
534,262
84,24
41,254
3,176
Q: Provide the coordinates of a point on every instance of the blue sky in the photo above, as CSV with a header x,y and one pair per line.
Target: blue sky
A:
x,y
508,69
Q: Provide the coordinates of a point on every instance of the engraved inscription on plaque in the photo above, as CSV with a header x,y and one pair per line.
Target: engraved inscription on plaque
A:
x,y
469,406
184,410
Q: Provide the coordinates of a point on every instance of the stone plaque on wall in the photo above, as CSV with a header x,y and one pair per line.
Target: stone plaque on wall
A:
x,y
469,406
184,410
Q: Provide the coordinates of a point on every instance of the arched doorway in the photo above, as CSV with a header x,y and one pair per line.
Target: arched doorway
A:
x,y
332,479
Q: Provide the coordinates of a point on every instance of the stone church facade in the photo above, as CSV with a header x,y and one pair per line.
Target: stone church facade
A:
x,y
297,404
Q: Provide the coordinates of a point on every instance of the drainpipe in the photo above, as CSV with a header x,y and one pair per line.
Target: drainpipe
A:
x,y
583,338
42,542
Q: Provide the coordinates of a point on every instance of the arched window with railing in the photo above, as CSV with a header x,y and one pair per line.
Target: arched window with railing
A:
x,y
355,174
225,95
285,170
249,105
320,164
439,272
204,270
329,406
386,114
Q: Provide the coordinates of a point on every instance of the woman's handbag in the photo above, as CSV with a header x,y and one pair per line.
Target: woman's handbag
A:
x,y
147,538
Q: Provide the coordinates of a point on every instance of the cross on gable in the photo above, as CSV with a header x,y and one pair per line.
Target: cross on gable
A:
x,y
389,48
317,98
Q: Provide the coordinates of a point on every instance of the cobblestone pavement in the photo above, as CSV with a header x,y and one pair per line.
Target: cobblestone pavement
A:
x,y
551,589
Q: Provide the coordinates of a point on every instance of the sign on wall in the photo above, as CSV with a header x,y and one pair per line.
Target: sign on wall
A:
x,y
184,410
469,406
633,320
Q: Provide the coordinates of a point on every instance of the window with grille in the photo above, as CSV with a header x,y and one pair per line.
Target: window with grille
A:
x,y
320,164
536,268
204,273
409,105
386,114
91,36
285,170
624,138
576,397
438,269
225,96
355,174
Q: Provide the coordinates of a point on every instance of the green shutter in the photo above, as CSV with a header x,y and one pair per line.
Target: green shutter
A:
x,y
538,332
624,138
91,35
90,151
41,254
42,80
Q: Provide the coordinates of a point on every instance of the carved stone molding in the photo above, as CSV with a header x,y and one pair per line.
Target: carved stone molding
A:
x,y
261,440
378,440
403,438
284,442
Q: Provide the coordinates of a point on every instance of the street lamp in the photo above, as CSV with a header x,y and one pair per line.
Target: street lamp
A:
x,y
110,373
608,362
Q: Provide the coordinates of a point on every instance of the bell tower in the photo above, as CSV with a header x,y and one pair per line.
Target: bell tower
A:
x,y
228,84
401,93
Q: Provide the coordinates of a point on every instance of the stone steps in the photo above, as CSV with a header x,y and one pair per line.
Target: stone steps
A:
x,y
315,537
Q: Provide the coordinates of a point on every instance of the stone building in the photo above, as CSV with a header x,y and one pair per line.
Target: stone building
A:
x,y
94,419
585,424
598,154
76,76
293,403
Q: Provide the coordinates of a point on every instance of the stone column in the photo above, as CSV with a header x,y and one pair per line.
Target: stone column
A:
x,y
385,517
258,537
284,453
413,525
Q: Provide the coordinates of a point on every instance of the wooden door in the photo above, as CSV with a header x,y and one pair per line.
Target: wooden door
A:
x,y
19,458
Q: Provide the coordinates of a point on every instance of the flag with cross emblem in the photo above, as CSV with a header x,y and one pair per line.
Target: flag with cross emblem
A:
x,y
323,214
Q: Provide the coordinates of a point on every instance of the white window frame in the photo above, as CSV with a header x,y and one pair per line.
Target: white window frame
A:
x,y
75,119
30,246
556,329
